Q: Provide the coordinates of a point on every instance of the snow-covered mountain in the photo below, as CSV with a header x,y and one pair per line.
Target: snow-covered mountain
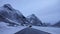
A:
x,y
57,24
12,16
9,15
34,20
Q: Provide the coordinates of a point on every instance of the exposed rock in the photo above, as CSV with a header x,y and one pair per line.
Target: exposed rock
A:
x,y
9,14
34,20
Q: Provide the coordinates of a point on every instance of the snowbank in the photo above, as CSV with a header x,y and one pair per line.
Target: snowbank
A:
x,y
51,30
10,30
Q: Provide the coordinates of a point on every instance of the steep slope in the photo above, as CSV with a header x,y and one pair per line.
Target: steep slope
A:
x,y
34,20
7,13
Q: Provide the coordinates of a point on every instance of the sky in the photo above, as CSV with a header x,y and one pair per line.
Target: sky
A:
x,y
46,10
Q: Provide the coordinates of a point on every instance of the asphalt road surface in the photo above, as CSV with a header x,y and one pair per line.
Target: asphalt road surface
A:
x,y
31,31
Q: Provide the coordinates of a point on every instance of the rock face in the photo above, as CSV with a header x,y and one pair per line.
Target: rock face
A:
x,y
34,20
10,15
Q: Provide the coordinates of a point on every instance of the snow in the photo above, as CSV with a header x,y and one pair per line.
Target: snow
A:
x,y
52,30
4,29
10,29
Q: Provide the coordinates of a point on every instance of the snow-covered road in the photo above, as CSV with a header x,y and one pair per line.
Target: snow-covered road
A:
x,y
52,30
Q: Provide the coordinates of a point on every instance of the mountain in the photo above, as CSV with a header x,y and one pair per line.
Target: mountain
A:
x,y
12,16
57,24
34,20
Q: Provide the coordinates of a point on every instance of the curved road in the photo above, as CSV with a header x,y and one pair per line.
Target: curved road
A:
x,y
31,31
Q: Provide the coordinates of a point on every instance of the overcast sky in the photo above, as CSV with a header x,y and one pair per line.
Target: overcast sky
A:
x,y
45,10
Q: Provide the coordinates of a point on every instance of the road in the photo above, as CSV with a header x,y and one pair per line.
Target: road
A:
x,y
31,31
